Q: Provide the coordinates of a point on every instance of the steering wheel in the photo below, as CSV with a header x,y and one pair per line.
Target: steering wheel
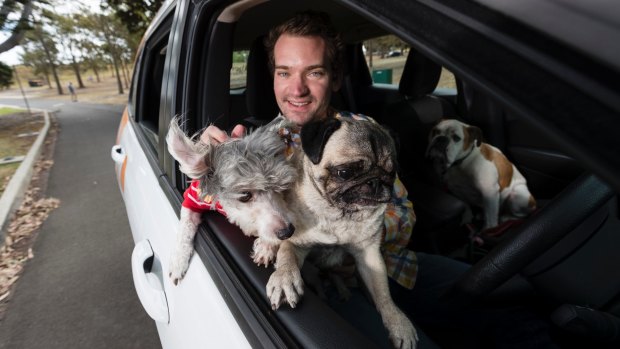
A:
x,y
532,238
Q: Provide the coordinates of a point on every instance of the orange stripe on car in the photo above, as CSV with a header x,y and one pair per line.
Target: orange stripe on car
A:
x,y
122,125
123,168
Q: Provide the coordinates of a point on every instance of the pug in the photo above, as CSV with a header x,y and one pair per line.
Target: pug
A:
x,y
346,177
478,173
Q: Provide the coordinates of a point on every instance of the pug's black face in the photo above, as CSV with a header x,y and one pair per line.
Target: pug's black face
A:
x,y
359,183
356,168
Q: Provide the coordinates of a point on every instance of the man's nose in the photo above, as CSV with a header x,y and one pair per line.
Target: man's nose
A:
x,y
299,85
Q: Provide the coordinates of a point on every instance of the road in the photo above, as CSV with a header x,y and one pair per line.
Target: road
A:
x,y
78,291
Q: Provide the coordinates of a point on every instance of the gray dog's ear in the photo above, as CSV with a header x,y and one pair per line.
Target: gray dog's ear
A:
x,y
192,156
475,134
314,135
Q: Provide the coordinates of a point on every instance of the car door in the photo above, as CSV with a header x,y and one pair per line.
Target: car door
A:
x,y
194,313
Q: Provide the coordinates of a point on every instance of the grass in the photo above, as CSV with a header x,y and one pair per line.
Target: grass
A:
x,y
104,91
11,126
9,110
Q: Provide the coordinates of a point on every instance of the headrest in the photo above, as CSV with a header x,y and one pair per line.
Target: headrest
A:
x,y
260,99
420,75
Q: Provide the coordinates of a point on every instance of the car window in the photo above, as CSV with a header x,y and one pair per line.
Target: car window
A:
x,y
386,57
150,82
239,69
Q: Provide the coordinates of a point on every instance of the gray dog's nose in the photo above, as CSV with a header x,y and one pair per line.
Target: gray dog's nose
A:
x,y
286,233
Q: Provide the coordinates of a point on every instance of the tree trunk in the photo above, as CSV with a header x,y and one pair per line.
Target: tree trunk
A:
x,y
76,69
118,76
125,74
52,65
96,72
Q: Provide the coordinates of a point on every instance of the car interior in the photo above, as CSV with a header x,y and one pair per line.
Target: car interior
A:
x,y
560,258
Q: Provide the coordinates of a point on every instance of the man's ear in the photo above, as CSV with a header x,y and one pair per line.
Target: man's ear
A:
x,y
192,156
314,135
475,135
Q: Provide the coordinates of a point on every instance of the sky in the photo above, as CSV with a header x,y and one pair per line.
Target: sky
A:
x,y
11,57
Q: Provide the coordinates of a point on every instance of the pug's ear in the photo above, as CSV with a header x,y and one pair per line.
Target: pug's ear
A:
x,y
314,135
475,134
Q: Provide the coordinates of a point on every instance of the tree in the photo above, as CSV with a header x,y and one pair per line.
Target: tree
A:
x,y
39,37
69,38
103,25
18,28
135,15
35,58
6,75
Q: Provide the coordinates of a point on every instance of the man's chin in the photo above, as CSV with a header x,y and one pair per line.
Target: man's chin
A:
x,y
299,118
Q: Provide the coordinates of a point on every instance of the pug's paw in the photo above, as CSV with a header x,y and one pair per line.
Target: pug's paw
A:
x,y
402,333
285,284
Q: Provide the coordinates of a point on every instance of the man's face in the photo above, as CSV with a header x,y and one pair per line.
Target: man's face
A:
x,y
302,79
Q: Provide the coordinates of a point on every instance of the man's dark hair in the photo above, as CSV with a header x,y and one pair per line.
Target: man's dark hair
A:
x,y
310,23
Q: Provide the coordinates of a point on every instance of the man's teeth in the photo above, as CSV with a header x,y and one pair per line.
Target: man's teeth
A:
x,y
299,104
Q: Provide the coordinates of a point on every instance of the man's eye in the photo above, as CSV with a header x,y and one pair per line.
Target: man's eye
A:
x,y
456,138
245,196
282,74
317,74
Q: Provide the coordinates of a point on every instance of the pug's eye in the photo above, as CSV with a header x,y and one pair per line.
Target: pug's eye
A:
x,y
344,174
456,138
245,196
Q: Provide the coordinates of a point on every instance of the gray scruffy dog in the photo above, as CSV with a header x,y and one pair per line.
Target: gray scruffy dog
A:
x,y
245,175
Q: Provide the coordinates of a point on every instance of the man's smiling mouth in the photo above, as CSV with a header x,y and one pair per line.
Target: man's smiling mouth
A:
x,y
299,104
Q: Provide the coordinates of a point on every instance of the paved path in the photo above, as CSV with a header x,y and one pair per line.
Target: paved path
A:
x,y
78,292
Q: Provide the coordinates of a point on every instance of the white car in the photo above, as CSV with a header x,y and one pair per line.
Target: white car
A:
x,y
540,78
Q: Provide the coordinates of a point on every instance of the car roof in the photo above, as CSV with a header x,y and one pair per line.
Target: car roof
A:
x,y
592,26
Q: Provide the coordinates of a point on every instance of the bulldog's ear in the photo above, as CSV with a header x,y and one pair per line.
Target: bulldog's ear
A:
x,y
314,135
475,135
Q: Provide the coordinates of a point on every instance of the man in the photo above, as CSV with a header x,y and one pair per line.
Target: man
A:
x,y
305,55
72,92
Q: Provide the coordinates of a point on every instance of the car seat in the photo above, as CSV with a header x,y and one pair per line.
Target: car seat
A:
x,y
439,214
260,98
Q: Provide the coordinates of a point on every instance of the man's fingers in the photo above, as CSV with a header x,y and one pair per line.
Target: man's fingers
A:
x,y
238,131
213,135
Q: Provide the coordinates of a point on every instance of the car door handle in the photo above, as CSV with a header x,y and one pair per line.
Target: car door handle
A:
x,y
149,288
118,154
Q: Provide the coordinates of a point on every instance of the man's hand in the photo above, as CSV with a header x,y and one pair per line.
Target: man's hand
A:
x,y
215,135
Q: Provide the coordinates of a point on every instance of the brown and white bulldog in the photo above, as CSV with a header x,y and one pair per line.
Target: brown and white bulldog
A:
x,y
478,173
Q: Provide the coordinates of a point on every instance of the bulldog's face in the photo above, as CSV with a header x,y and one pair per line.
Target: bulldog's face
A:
x,y
450,141
352,162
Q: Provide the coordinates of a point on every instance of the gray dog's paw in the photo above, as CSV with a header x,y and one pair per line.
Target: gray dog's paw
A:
x,y
402,333
179,262
264,253
285,284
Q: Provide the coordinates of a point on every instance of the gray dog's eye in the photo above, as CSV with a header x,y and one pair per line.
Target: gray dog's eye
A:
x,y
245,196
456,138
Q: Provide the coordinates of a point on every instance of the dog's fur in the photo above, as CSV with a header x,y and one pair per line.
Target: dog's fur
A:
x,y
338,189
248,176
346,179
478,173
